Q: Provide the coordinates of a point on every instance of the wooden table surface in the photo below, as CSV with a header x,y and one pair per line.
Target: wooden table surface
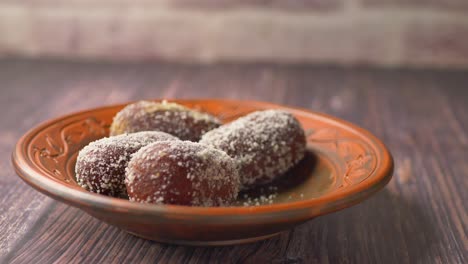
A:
x,y
422,116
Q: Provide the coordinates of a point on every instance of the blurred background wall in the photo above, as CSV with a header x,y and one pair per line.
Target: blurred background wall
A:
x,y
417,33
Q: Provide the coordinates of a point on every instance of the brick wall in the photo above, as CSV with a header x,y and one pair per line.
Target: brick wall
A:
x,y
420,33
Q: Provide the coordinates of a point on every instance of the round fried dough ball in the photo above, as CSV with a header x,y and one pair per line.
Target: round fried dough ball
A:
x,y
182,173
265,144
172,118
100,166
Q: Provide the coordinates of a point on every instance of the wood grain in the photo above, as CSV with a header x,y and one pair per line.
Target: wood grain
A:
x,y
421,217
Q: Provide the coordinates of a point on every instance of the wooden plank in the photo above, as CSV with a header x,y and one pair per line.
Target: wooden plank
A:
x,y
421,115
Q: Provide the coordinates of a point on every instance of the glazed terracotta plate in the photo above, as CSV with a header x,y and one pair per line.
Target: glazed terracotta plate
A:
x,y
344,165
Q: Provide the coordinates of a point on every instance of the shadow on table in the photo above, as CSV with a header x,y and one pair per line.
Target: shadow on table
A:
x,y
384,229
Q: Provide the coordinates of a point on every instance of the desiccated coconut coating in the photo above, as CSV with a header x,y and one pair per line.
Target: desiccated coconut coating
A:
x,y
172,118
182,173
100,166
265,144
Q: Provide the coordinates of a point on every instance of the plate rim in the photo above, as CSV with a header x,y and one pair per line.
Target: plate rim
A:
x,y
321,205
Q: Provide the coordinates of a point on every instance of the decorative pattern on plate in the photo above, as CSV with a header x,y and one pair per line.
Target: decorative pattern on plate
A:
x,y
359,157
51,154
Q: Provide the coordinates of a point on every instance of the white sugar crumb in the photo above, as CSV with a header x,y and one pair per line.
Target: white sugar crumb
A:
x,y
155,176
263,195
172,118
165,105
264,144
100,166
206,169
260,200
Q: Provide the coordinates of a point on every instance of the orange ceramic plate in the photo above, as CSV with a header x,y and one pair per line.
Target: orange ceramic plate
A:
x,y
344,165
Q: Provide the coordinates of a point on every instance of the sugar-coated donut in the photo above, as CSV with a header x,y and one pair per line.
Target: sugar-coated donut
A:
x,y
172,118
100,166
182,173
265,144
